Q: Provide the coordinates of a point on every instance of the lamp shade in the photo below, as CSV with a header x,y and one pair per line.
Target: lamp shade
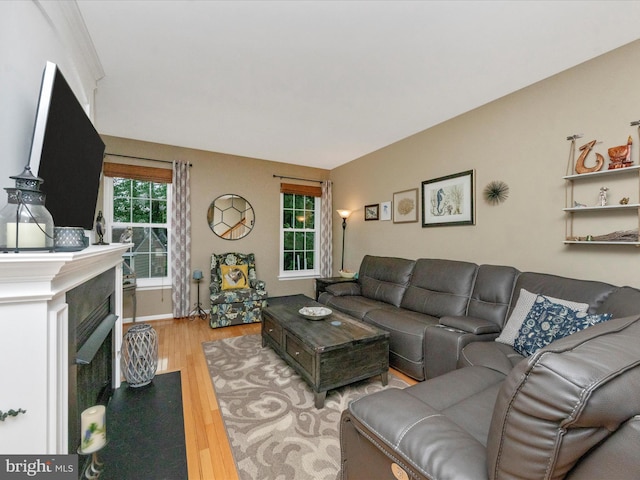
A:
x,y
344,214
197,274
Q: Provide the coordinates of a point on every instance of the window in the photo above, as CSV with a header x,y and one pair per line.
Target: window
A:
x,y
299,235
144,206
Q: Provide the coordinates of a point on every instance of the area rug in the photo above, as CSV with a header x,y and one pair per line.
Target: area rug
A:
x,y
274,429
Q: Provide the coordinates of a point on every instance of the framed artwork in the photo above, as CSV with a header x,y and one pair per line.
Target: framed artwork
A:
x,y
448,200
405,206
371,212
385,211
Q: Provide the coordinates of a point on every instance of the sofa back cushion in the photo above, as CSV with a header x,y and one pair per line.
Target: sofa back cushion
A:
x,y
385,278
492,292
440,287
582,291
564,400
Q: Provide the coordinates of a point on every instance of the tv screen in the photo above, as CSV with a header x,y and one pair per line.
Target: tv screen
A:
x,y
66,152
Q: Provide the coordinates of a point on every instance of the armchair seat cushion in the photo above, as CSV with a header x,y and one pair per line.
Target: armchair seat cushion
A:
x,y
237,295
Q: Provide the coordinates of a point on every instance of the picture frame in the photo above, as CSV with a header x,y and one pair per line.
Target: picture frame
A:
x,y
405,206
371,212
449,200
385,211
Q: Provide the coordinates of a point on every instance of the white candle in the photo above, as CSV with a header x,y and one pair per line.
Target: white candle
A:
x,y
29,235
93,429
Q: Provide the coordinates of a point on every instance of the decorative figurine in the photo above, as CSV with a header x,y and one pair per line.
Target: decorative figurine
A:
x,y
127,235
602,197
100,229
621,156
624,201
585,149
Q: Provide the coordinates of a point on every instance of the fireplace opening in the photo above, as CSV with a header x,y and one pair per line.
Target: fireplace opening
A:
x,y
91,348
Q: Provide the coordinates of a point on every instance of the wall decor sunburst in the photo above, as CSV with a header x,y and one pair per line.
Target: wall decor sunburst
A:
x,y
496,192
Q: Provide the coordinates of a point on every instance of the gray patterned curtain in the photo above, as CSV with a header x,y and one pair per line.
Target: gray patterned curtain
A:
x,y
181,240
326,231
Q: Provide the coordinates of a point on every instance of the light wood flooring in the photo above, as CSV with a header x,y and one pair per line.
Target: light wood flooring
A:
x,y
180,349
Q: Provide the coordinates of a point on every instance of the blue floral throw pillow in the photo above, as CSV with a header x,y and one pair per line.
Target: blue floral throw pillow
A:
x,y
548,321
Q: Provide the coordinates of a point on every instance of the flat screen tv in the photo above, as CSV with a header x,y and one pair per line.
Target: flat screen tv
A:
x,y
66,152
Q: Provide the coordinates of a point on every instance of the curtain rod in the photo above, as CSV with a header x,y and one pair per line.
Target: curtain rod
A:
x,y
295,178
142,158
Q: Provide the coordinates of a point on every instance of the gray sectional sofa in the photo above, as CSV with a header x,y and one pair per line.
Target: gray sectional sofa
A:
x,y
569,410
433,308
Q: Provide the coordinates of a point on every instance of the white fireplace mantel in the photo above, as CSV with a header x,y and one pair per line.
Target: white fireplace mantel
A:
x,y
34,358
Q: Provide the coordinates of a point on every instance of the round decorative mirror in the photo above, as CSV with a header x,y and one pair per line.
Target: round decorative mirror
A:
x,y
230,217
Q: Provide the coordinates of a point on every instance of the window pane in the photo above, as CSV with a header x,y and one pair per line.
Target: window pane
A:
x,y
288,200
311,220
310,241
287,219
309,202
121,187
121,210
309,258
288,240
141,188
141,209
158,264
159,191
158,211
299,219
299,241
299,201
288,261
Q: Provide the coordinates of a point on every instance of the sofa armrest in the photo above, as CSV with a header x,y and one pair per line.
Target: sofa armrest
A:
x,y
344,289
474,325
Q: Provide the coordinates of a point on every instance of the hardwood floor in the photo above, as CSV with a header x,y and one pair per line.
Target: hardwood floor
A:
x,y
180,348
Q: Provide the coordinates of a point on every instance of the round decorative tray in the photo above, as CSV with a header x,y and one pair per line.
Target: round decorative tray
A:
x,y
315,313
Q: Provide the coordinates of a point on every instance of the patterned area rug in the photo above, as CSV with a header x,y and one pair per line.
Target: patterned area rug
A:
x,y
274,429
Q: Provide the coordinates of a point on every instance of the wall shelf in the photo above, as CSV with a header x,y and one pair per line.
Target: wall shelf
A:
x,y
626,174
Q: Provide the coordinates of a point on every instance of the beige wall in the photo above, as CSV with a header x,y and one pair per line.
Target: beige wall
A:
x,y
519,139
214,174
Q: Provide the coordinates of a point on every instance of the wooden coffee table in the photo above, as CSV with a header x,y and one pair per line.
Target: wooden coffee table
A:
x,y
326,353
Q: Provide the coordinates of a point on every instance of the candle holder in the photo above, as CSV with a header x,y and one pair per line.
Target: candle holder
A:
x,y
25,223
198,311
94,438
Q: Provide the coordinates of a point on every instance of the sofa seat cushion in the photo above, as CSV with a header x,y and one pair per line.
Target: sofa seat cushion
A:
x,y
439,426
494,355
406,341
355,305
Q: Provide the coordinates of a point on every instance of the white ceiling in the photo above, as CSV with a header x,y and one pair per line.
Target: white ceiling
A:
x,y
321,83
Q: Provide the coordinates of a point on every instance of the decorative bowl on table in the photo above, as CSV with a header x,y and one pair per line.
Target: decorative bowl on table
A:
x,y
347,274
315,313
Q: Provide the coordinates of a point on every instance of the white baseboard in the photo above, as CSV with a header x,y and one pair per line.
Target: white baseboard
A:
x,y
149,318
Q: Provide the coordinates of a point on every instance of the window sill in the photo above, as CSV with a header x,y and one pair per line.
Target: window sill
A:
x,y
307,276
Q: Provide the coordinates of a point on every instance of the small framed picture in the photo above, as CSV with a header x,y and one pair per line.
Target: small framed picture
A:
x,y
405,206
385,211
448,200
372,212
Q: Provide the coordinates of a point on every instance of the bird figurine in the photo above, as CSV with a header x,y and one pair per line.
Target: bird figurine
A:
x,y
127,235
100,229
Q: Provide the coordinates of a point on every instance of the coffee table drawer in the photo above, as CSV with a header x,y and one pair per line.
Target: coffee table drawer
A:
x,y
299,353
273,330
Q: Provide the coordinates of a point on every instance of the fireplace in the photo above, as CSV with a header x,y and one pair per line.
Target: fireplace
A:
x,y
60,343
91,349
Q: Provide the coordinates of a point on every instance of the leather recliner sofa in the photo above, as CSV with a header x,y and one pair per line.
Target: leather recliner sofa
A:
x,y
434,308
571,410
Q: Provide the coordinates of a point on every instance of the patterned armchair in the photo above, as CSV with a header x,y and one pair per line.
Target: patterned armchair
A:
x,y
237,296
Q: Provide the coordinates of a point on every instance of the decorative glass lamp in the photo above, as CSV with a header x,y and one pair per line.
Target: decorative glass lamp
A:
x,y
25,223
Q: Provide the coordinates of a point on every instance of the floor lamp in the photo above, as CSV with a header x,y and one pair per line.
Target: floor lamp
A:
x,y
344,214
198,310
